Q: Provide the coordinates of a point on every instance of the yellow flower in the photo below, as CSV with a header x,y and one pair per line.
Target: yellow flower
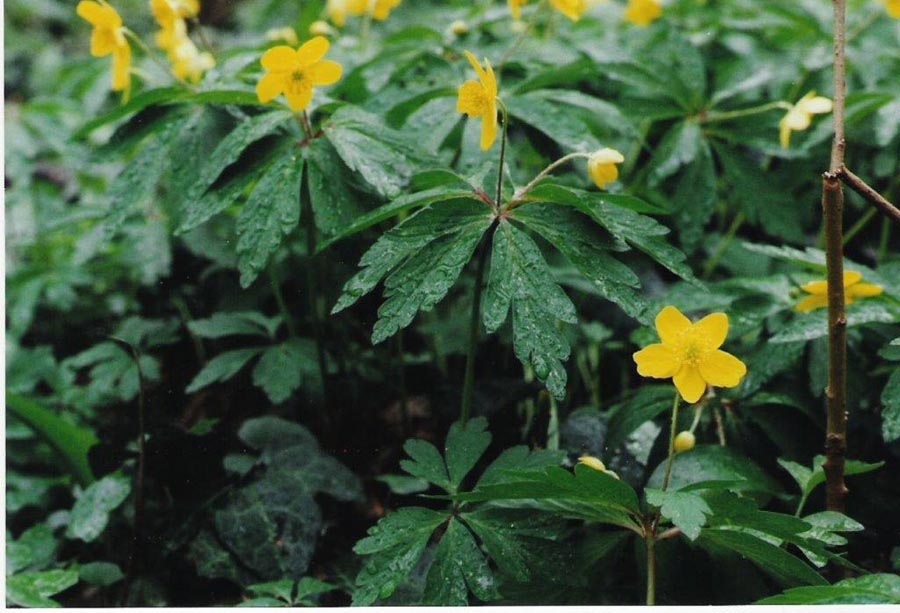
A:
x,y
853,289
108,38
799,116
685,441
286,34
573,9
479,99
689,353
188,63
166,12
602,166
643,12
381,9
515,7
893,8
295,73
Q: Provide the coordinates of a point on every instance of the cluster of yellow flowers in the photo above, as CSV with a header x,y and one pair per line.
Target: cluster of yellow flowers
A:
x,y
639,12
108,38
188,62
339,10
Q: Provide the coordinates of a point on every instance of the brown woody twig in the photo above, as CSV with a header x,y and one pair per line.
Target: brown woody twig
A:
x,y
863,189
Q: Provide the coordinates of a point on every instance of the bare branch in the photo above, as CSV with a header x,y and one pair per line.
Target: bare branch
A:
x,y
863,189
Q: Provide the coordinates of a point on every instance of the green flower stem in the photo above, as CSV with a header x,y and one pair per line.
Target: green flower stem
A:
x,y
713,116
713,261
698,412
275,282
505,115
859,226
673,428
650,541
474,324
517,199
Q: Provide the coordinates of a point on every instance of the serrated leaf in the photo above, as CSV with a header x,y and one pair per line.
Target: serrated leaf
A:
x,y
784,567
521,279
33,590
284,368
679,147
425,463
520,457
694,199
407,239
464,447
235,323
890,411
809,326
271,212
394,545
383,156
222,368
851,467
90,515
869,589
586,247
715,463
335,206
687,511
458,567
425,277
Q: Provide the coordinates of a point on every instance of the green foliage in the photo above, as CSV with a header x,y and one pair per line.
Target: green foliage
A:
x,y
90,514
870,589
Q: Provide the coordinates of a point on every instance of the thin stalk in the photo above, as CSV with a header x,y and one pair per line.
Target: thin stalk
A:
x,y
474,319
517,199
832,207
698,412
505,115
720,427
859,226
673,428
713,261
275,282
714,116
650,541
553,425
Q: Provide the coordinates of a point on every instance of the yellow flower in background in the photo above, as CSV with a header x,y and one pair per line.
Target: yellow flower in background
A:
x,y
689,353
478,99
799,116
853,290
286,34
108,38
338,10
515,7
318,28
893,8
167,12
381,9
643,12
188,63
295,73
602,166
573,9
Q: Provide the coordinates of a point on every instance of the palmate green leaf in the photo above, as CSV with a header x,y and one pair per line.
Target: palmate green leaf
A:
x,y
695,197
33,590
680,146
465,445
781,565
381,155
586,494
425,463
335,205
272,211
71,442
890,411
235,323
640,231
586,246
458,567
825,528
520,457
285,367
90,514
222,368
686,510
715,463
393,546
520,279
422,273
869,589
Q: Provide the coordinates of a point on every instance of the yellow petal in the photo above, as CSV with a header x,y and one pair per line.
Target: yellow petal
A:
x,y
103,42
490,80
657,361
851,277
813,104
784,134
592,462
670,323
312,51
818,288
864,290
690,383
121,69
811,303
476,65
326,72
722,369
797,119
299,101
99,15
269,87
279,59
603,174
489,127
713,328
893,8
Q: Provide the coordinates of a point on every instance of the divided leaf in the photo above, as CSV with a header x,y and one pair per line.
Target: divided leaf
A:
x,y
686,510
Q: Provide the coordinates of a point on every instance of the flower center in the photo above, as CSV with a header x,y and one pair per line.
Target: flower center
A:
x,y
298,83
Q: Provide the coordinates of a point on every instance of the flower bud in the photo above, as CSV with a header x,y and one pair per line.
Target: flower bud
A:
x,y
459,27
320,28
602,166
685,441
286,34
592,462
